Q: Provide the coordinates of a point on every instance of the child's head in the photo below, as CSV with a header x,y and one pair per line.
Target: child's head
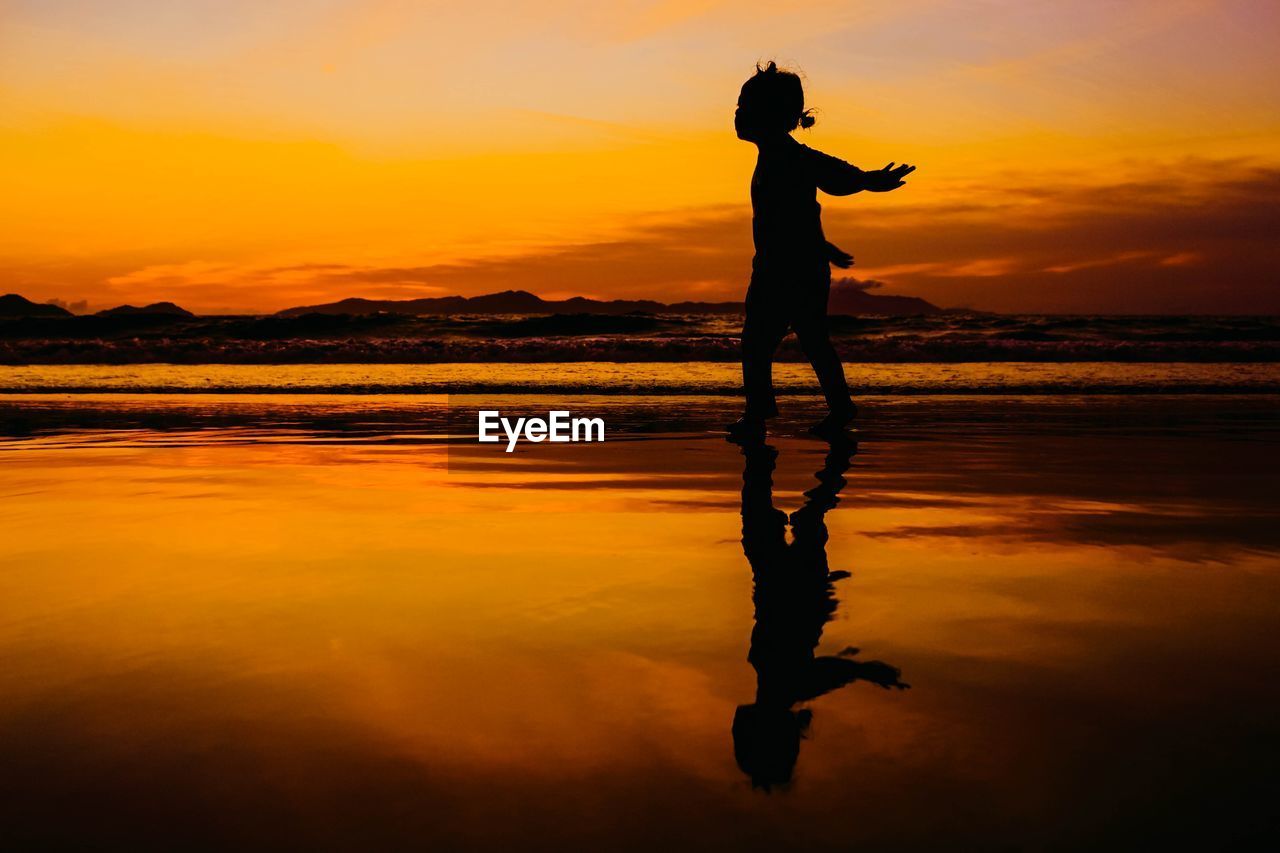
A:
x,y
770,103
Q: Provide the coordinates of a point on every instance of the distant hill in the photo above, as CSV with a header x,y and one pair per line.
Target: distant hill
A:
x,y
166,308
13,305
847,297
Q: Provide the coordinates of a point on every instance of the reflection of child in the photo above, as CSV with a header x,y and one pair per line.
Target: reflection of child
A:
x,y
791,273
794,598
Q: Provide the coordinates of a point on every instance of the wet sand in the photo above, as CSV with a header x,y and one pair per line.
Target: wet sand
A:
x,y
316,622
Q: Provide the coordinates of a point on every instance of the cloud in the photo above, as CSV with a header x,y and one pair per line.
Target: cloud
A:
x,y
80,306
1191,237
978,268
1109,260
1197,236
856,283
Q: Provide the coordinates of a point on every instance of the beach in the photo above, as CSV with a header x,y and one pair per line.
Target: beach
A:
x,y
266,617
388,450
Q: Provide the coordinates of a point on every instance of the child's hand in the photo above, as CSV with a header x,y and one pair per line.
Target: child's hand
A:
x,y
888,178
839,257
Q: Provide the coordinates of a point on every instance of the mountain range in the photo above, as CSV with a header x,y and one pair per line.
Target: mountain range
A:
x,y
847,297
154,308
13,305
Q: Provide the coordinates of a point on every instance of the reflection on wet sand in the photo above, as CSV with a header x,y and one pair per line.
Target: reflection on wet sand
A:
x,y
306,622
794,597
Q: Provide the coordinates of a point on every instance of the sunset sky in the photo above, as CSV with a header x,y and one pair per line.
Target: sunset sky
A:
x,y
249,155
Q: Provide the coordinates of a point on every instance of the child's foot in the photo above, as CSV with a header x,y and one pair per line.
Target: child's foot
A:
x,y
835,424
746,429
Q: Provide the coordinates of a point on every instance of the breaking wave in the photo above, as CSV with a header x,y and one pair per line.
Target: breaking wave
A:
x,y
384,339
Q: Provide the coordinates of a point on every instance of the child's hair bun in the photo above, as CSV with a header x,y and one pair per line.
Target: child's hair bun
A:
x,y
777,98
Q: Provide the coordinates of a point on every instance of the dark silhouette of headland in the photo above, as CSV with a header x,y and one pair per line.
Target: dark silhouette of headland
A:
x,y
848,296
165,308
13,305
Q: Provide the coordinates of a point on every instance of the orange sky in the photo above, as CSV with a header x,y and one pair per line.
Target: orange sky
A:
x,y
241,156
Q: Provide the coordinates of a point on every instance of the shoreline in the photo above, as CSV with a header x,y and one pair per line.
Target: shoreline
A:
x,y
643,378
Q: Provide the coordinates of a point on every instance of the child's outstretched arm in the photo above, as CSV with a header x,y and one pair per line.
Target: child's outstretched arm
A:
x,y
836,177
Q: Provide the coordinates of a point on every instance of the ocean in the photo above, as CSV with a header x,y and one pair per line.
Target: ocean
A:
x,y
398,339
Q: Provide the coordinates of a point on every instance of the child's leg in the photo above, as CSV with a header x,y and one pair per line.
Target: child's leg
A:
x,y
815,339
763,329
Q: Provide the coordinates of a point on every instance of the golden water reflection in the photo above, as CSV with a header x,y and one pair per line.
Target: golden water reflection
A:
x,y
368,644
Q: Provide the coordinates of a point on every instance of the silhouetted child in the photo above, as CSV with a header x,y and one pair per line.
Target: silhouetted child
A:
x,y
791,272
